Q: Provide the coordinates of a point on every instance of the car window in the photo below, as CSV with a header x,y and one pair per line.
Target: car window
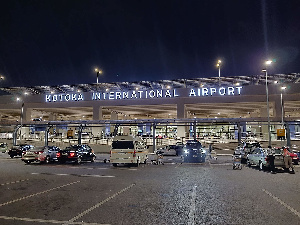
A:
x,y
122,145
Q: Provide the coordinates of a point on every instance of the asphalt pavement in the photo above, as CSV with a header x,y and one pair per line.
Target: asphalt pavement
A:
x,y
173,193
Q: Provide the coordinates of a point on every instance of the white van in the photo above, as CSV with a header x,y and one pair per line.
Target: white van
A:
x,y
128,150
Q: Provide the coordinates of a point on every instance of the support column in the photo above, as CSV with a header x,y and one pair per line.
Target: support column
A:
x,y
278,110
113,116
181,114
46,135
153,137
26,117
97,113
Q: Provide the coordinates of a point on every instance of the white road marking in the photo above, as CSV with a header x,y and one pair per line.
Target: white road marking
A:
x,y
91,175
39,193
71,221
46,221
13,182
193,207
282,203
65,174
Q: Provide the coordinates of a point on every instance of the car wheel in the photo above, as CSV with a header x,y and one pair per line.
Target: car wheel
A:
x,y
11,156
93,159
78,160
114,164
47,159
27,162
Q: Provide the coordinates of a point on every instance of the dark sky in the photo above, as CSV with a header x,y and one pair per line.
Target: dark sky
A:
x,y
55,42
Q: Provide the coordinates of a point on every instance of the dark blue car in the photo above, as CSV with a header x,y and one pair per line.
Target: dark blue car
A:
x,y
193,152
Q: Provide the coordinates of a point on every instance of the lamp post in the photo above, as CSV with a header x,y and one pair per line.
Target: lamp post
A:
x,y
219,66
281,101
98,72
268,62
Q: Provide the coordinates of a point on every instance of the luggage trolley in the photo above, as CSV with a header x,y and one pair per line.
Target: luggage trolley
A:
x,y
237,162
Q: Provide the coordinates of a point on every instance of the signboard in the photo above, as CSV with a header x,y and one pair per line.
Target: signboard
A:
x,y
280,134
144,94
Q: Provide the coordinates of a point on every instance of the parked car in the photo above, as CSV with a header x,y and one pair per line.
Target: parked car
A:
x,y
32,155
294,155
19,150
49,154
3,147
76,153
245,148
260,157
167,150
193,152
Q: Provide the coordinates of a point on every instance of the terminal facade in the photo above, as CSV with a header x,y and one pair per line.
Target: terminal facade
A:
x,y
219,109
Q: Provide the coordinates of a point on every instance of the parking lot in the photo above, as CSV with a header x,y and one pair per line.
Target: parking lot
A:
x,y
173,193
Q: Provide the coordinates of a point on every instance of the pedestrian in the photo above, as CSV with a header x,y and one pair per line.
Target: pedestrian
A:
x,y
209,150
271,158
288,160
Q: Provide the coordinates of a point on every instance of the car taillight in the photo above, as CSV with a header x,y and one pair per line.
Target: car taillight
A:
x,y
134,153
72,154
58,154
38,152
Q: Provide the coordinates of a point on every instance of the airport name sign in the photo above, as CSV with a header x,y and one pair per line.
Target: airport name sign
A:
x,y
144,94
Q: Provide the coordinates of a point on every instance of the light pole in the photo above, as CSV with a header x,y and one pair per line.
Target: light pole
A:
x,y
219,66
268,62
281,101
98,72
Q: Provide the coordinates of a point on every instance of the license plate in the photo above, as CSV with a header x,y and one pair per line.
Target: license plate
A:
x,y
195,156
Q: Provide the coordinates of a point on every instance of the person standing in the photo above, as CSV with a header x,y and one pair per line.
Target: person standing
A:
x,y
288,160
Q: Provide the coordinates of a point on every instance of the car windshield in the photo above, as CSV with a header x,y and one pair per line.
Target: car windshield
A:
x,y
251,145
122,145
193,145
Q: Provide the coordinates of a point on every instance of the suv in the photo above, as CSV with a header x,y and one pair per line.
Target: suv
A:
x,y
76,153
193,152
19,150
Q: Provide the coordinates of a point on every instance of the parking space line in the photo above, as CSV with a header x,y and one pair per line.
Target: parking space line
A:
x,y
13,182
193,207
282,203
39,193
99,204
46,221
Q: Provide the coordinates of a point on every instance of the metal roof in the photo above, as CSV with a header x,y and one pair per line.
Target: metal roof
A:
x,y
160,84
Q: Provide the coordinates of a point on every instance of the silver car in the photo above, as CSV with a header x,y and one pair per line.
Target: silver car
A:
x,y
44,154
259,157
49,154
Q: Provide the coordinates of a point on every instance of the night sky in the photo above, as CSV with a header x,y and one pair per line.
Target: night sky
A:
x,y
55,42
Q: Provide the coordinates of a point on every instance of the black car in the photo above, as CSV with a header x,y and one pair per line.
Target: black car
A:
x,y
76,153
19,150
193,152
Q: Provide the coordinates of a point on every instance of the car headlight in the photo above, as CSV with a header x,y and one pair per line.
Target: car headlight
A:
x,y
185,151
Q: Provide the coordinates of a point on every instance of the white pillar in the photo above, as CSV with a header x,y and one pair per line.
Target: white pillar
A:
x,y
181,114
97,113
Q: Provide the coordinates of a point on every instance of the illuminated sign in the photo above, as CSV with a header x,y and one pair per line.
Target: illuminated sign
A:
x,y
144,94
215,91
135,94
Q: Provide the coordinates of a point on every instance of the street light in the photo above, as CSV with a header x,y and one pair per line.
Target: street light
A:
x,y
219,66
98,72
268,62
281,100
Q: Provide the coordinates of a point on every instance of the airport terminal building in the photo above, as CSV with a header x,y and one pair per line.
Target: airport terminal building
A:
x,y
225,108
